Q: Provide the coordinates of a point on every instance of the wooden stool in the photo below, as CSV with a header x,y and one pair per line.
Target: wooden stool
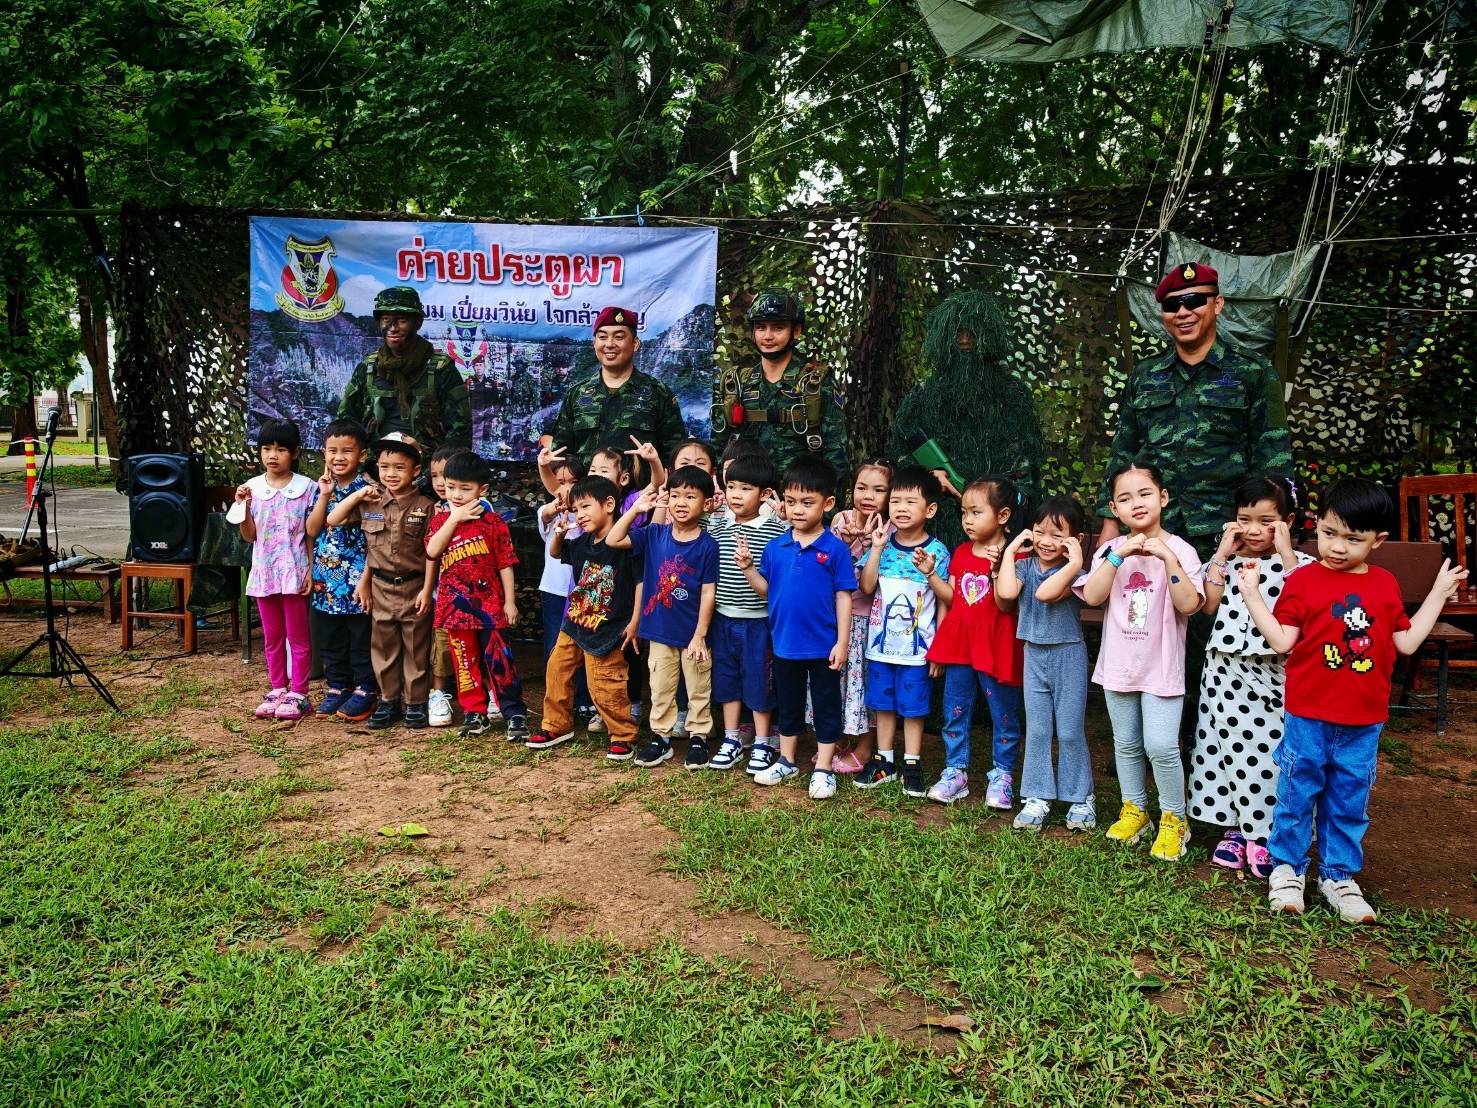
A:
x,y
183,576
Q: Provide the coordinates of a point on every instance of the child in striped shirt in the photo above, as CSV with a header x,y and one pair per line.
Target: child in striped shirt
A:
x,y
740,634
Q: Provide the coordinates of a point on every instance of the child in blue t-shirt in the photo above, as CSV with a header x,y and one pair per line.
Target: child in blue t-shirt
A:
x,y
808,579
679,591
340,625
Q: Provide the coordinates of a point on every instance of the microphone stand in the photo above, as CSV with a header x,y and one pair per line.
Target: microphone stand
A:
x,y
62,660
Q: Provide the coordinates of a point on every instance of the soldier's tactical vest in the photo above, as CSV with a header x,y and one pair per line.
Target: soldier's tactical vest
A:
x,y
738,404
424,418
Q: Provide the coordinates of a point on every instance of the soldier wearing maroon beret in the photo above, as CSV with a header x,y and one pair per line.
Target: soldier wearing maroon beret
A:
x,y
1207,411
617,401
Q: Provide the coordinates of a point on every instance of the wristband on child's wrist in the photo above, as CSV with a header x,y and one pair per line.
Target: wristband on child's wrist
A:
x,y
1111,557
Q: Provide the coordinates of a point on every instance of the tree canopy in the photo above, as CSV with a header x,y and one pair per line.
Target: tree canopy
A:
x,y
560,110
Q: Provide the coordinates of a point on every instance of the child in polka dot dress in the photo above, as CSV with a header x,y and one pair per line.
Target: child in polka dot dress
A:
x,y
1233,779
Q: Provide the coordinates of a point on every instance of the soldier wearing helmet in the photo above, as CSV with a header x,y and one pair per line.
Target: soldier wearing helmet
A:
x,y
405,385
792,407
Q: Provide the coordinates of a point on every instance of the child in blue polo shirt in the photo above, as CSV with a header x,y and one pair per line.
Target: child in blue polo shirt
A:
x,y
807,577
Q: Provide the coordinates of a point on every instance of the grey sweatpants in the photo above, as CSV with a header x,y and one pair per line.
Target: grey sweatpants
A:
x,y
1055,689
1148,725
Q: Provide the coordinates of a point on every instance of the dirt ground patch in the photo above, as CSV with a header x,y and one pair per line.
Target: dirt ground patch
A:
x,y
566,836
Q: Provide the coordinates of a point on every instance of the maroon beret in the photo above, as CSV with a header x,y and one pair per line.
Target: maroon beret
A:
x,y
615,317
1186,276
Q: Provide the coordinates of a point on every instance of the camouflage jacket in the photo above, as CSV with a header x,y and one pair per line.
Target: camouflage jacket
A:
x,y
594,415
440,409
1206,427
802,413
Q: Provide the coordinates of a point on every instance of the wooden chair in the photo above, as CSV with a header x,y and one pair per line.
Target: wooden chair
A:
x,y
1415,526
1415,566
136,578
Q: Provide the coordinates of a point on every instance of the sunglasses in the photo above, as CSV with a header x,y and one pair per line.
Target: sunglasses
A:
x,y
1192,300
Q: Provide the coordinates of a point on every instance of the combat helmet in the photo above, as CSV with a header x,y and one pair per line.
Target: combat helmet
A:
x,y
399,298
776,305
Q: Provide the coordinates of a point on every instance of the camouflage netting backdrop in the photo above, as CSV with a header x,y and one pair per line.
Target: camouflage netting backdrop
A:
x,y
1384,378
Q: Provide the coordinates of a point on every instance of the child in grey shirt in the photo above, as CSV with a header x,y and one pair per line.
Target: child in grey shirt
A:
x,y
1055,684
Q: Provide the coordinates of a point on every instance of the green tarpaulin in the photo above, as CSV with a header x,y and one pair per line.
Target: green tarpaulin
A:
x,y
1020,31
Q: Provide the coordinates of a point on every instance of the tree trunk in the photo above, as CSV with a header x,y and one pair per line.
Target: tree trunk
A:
x,y
94,319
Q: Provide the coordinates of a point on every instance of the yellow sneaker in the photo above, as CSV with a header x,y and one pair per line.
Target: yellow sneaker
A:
x,y
1173,838
1132,825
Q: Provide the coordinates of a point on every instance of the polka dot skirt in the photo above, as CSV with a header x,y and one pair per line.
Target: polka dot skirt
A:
x,y
1233,780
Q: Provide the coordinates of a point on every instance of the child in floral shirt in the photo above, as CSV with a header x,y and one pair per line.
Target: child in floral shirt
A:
x,y
340,625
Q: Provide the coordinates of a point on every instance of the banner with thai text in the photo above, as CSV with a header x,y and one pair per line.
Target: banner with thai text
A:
x,y
512,305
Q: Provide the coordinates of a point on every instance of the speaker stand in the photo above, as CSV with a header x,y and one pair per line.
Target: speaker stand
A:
x,y
61,660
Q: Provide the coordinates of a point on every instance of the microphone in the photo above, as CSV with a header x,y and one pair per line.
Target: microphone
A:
x,y
930,455
52,418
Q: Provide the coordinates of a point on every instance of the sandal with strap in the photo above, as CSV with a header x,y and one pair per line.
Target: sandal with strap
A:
x,y
1230,852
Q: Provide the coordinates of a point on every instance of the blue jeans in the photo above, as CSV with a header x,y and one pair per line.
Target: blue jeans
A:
x,y
1327,770
1007,713
552,611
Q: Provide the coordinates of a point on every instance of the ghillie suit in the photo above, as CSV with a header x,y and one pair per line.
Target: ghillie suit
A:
x,y
982,417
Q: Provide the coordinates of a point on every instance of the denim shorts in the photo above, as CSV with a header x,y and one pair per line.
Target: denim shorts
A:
x,y
741,662
904,690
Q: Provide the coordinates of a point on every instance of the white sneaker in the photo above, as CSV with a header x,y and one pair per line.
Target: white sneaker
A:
x,y
1032,816
440,708
777,774
1285,890
822,784
1083,816
596,726
1346,898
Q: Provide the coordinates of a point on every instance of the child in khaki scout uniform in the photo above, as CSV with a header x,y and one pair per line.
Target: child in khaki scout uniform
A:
x,y
398,589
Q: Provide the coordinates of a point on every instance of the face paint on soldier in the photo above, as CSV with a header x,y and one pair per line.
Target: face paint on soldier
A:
x,y
1192,329
965,341
615,348
397,327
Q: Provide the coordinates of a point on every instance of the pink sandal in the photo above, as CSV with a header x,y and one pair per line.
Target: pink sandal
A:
x,y
847,763
1230,852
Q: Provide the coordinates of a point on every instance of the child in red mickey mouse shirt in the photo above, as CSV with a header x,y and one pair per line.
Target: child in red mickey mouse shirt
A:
x,y
1341,622
475,603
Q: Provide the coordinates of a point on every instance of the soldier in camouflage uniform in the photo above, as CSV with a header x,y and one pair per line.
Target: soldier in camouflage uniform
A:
x,y
789,406
406,385
618,401
1206,411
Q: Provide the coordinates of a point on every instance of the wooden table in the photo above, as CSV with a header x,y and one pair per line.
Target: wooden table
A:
x,y
104,577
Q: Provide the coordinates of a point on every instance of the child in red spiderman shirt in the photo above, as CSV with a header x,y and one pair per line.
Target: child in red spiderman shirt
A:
x,y
475,603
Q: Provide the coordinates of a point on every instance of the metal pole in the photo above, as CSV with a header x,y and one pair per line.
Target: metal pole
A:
x,y
906,69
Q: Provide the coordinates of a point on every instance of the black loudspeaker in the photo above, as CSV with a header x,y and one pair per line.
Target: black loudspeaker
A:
x,y
166,508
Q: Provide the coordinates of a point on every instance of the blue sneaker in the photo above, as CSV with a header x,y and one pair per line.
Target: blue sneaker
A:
x,y
358,706
332,701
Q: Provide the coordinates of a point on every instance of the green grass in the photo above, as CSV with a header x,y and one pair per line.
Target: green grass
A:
x,y
142,957
67,477
1049,944
66,446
